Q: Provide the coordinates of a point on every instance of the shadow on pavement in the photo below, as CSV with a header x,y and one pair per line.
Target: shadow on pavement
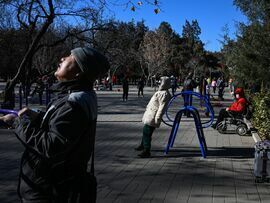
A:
x,y
223,152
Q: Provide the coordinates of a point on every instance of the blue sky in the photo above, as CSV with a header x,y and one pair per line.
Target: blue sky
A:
x,y
212,16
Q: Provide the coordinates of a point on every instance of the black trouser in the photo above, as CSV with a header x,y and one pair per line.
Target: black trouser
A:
x,y
125,95
222,114
214,89
173,89
220,93
140,91
225,114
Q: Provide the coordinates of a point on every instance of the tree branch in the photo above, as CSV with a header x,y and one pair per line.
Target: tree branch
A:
x,y
30,52
42,8
19,18
29,12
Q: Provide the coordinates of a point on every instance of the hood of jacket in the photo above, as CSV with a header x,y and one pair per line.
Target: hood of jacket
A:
x,y
165,83
240,91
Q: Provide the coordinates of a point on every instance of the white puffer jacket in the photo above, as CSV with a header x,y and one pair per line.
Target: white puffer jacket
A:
x,y
156,106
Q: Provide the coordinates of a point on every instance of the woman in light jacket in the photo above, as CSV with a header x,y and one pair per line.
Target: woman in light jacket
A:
x,y
153,116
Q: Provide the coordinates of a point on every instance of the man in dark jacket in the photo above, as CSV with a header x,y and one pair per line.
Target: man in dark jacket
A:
x,y
140,86
125,88
59,142
221,87
188,85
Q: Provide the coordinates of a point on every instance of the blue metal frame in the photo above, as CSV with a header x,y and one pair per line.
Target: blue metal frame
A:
x,y
8,111
205,98
195,114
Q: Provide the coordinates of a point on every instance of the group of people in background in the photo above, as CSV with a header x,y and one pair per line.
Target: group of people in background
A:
x,y
205,84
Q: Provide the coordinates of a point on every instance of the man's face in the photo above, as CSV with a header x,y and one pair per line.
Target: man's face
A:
x,y
67,69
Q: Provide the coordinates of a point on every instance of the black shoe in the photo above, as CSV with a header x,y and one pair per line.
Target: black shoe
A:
x,y
139,148
145,154
214,126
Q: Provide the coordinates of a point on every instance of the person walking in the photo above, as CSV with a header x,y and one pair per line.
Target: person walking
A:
x,y
39,89
231,87
208,80
59,142
189,85
205,92
214,85
125,86
109,82
221,86
153,115
173,84
140,87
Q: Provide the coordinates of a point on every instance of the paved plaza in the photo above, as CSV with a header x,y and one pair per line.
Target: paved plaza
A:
x,y
226,175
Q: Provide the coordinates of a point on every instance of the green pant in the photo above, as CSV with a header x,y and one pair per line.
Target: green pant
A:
x,y
147,136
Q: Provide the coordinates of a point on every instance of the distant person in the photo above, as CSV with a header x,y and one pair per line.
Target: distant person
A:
x,y
114,79
189,85
208,80
109,82
39,89
48,82
125,86
153,115
96,84
140,87
173,84
203,86
231,85
221,87
214,85
59,142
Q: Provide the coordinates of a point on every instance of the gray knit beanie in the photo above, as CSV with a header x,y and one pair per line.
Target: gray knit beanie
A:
x,y
92,63
165,83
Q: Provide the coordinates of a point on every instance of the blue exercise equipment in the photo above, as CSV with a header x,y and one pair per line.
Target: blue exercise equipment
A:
x,y
8,111
189,109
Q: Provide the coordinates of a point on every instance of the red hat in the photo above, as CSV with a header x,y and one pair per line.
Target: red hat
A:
x,y
239,91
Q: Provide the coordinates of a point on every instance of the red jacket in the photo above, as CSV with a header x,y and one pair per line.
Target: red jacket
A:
x,y
239,105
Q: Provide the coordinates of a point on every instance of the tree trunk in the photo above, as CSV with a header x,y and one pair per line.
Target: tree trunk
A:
x,y
9,89
9,96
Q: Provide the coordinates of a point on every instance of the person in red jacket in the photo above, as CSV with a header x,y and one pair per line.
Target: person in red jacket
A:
x,y
238,107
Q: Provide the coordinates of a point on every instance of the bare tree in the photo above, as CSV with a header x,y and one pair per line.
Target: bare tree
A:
x,y
156,53
35,17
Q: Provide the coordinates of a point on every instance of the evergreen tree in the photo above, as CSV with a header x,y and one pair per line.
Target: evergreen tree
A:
x,y
249,55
